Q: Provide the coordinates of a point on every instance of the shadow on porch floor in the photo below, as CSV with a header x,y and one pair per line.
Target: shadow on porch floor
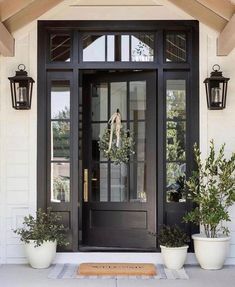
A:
x,y
24,276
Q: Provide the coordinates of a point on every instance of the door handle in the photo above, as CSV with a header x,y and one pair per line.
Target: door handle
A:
x,y
85,185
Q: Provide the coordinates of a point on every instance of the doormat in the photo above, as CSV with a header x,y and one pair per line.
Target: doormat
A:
x,y
117,269
70,271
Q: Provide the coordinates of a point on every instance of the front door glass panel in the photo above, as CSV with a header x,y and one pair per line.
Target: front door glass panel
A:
x,y
124,182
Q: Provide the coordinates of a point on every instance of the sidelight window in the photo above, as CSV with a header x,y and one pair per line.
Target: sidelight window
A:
x,y
175,140
60,141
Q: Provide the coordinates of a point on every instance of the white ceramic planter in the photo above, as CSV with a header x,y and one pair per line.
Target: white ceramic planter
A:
x,y
41,256
211,252
174,257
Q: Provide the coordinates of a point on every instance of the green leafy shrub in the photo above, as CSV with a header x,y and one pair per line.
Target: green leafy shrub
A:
x,y
172,236
212,188
45,227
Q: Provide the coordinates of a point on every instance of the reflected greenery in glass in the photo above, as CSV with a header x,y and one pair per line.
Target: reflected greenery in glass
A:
x,y
60,181
176,182
175,146
142,47
61,132
176,99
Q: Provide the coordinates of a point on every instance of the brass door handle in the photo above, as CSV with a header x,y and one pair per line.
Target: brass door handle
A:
x,y
85,185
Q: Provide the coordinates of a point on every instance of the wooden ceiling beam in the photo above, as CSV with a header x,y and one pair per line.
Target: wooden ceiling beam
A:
x,y
201,13
223,8
226,40
7,42
10,8
31,12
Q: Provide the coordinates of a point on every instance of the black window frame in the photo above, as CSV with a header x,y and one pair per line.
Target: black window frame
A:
x,y
45,67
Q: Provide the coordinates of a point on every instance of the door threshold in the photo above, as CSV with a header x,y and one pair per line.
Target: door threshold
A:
x,y
87,248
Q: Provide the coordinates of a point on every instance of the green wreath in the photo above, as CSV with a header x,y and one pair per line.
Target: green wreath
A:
x,y
116,154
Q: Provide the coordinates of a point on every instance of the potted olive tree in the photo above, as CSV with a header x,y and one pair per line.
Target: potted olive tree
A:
x,y
212,189
173,244
41,235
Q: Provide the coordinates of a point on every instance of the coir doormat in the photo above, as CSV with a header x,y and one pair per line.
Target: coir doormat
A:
x,y
117,269
70,271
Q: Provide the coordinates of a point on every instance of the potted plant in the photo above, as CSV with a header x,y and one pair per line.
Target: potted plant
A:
x,y
212,188
41,235
173,246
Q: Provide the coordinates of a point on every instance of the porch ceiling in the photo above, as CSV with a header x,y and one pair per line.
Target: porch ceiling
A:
x,y
217,14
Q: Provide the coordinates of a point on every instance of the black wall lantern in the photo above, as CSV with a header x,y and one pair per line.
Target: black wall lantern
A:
x,y
216,89
21,89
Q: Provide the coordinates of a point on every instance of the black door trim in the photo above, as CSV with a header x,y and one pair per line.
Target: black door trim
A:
x,y
191,27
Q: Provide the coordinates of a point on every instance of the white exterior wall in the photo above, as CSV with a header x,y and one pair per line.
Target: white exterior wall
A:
x,y
18,129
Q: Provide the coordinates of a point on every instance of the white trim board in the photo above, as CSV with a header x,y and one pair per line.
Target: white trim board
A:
x,y
83,257
111,257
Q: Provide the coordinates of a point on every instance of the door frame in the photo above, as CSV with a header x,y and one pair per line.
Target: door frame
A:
x,y
75,28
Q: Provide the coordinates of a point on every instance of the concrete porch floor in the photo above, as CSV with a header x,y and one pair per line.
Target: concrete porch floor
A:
x,y
24,276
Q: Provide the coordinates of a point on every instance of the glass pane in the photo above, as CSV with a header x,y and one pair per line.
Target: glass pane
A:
x,y
176,99
60,48
60,100
138,129
97,132
93,48
175,185
119,98
110,48
137,100
142,47
175,145
138,182
60,182
125,48
99,182
119,180
100,102
176,47
60,131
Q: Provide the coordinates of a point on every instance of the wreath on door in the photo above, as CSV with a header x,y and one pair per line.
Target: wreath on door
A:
x,y
116,143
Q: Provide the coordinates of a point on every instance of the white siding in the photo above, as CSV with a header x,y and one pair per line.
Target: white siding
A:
x,y
18,128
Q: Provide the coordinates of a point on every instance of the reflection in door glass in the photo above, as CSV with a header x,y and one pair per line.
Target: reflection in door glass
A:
x,y
138,129
176,45
97,131
60,46
138,182
142,47
119,98
60,182
99,102
99,182
119,190
176,101
125,47
110,48
60,100
175,141
175,182
137,100
60,148
93,48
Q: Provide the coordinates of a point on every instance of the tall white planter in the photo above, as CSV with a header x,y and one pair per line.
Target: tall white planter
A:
x,y
41,256
211,252
174,257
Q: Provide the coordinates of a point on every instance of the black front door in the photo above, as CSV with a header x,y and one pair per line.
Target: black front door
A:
x,y
119,201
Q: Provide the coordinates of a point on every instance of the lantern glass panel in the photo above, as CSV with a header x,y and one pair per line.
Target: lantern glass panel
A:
x,y
21,91
216,94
